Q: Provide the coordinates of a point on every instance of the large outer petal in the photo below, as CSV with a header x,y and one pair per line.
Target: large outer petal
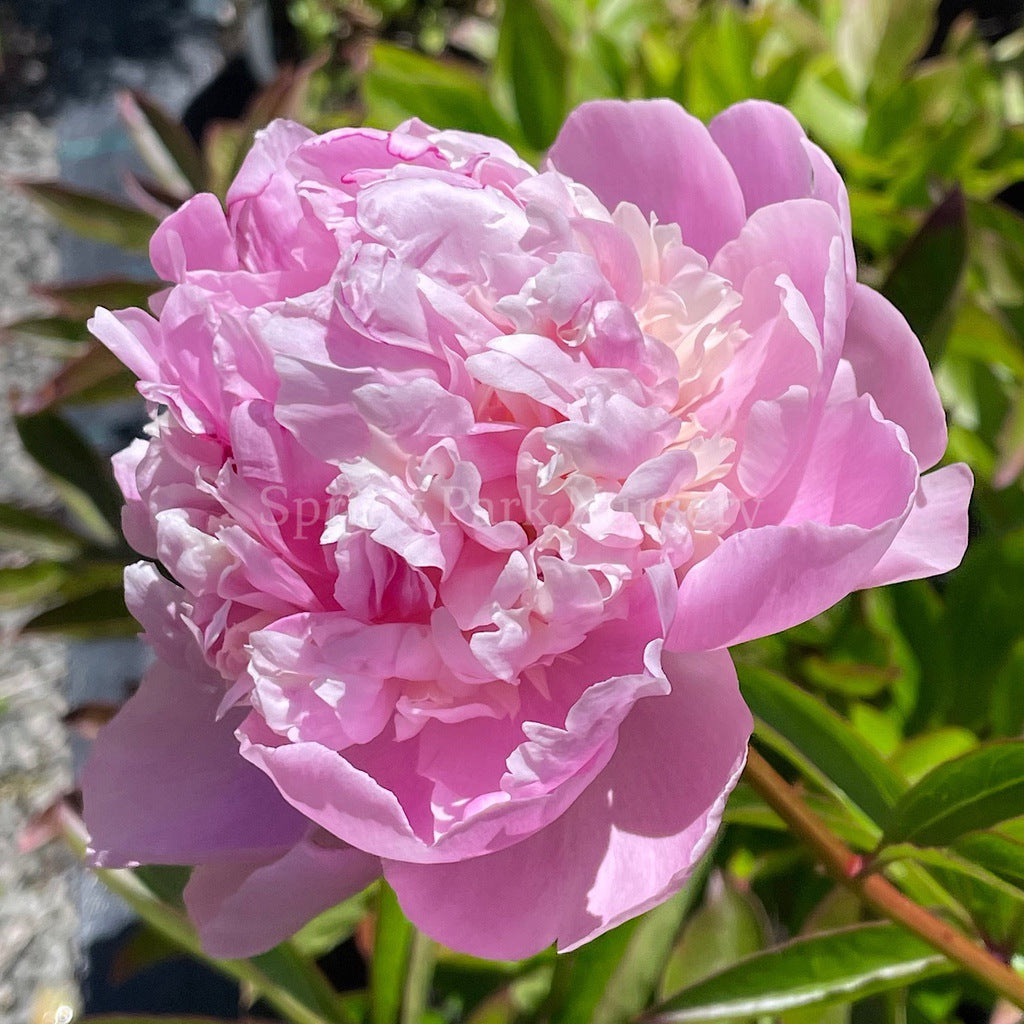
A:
x,y
165,783
934,537
656,155
245,906
890,365
627,843
857,489
774,160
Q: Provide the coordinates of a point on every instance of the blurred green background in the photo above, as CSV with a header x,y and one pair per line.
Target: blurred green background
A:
x,y
898,712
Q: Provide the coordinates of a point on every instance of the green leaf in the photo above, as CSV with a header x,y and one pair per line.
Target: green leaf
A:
x,y
976,791
400,84
730,925
925,279
533,57
920,755
28,584
876,40
830,967
36,535
1000,854
391,949
333,926
293,972
96,375
80,298
94,216
610,980
818,741
55,328
101,613
83,479
175,139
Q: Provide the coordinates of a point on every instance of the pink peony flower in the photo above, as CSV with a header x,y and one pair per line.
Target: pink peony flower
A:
x,y
467,475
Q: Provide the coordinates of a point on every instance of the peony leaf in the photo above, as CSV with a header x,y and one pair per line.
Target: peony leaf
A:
x,y
997,853
533,57
611,979
729,926
976,791
70,332
82,478
79,299
924,281
391,954
818,741
148,143
174,138
877,40
36,535
920,755
101,613
27,584
400,84
96,375
93,215
830,967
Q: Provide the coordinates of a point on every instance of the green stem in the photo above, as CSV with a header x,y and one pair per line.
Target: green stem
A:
x,y
175,926
877,892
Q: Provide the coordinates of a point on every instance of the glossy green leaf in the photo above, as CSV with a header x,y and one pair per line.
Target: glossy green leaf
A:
x,y
100,613
332,927
805,730
84,480
162,165
926,276
920,755
976,791
730,925
533,56
400,84
93,215
79,299
29,584
611,979
36,535
817,970
71,332
876,40
998,853
175,139
291,971
391,950
96,375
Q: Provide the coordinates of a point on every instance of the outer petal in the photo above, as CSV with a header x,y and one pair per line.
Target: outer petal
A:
x,y
890,365
934,537
627,843
856,491
244,907
656,155
165,783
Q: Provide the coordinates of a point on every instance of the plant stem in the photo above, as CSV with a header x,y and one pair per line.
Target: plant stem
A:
x,y
173,925
877,892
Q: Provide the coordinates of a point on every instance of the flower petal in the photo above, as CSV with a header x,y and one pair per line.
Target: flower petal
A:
x,y
656,155
243,907
934,537
627,843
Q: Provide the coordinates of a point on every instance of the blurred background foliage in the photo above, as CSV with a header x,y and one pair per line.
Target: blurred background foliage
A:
x,y
898,713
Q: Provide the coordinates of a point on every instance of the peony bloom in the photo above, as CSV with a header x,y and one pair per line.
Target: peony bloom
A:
x,y
466,476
